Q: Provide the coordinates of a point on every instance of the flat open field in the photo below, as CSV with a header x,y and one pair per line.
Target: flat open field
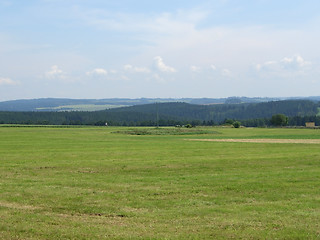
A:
x,y
147,183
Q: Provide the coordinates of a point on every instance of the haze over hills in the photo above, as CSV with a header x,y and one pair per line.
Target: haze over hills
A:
x,y
65,104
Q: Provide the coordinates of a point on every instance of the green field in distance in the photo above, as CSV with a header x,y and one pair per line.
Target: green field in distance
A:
x,y
81,107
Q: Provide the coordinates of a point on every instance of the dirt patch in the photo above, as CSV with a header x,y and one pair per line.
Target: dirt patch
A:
x,y
261,140
167,131
18,206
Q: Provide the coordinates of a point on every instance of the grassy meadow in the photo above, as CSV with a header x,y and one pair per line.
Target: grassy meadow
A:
x,y
147,183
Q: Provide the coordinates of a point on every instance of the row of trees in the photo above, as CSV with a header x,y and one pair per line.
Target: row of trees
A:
x,y
276,120
281,120
135,119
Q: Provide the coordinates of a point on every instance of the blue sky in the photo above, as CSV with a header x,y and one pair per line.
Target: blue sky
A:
x,y
123,48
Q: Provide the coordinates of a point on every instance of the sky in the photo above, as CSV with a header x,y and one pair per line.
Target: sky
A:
x,y
159,49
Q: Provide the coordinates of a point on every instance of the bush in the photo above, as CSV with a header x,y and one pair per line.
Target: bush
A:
x,y
236,124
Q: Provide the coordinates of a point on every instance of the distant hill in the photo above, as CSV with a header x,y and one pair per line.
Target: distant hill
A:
x,y
171,113
219,112
64,104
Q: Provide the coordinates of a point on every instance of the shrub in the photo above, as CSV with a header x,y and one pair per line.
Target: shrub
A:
x,y
236,124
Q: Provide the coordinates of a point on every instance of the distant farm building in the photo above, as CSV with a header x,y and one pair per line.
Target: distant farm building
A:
x,y
310,124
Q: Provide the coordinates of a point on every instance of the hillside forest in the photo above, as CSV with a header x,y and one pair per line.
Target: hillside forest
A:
x,y
175,113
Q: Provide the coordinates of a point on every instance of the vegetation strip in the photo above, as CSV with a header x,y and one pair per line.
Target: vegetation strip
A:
x,y
261,140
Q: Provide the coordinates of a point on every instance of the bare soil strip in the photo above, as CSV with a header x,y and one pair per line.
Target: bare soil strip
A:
x,y
18,206
261,140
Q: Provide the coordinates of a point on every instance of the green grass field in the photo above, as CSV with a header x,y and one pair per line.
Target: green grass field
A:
x,y
147,183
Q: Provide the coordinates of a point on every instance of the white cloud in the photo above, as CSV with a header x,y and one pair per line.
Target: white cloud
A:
x,y
131,68
161,66
195,69
295,62
97,72
292,64
226,72
55,73
213,67
7,81
128,67
125,78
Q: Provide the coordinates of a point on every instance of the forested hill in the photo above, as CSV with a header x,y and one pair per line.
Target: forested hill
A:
x,y
220,112
65,104
167,113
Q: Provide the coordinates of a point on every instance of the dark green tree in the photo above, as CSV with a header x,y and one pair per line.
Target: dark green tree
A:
x,y
279,120
229,121
236,124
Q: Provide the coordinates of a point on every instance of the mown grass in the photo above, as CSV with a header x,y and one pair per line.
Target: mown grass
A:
x,y
90,183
